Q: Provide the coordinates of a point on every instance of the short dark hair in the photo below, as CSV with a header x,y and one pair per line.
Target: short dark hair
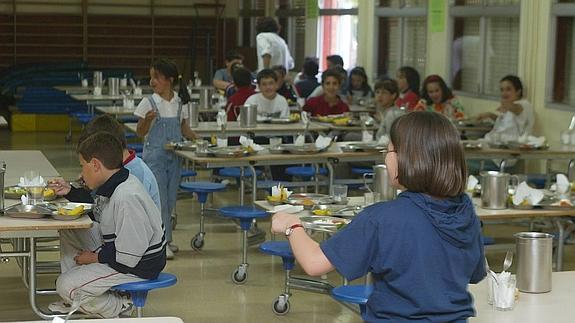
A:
x,y
359,71
267,25
233,54
446,93
241,76
266,73
103,146
332,72
429,154
412,77
516,81
279,68
310,67
335,60
387,85
105,123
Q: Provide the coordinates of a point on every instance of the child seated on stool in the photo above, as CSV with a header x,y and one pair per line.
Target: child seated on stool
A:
x,y
132,243
270,104
422,248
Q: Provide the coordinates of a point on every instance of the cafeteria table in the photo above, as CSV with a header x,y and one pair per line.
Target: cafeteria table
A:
x,y
78,89
28,230
123,320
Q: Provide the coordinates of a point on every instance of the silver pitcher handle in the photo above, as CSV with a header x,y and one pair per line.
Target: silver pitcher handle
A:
x,y
365,176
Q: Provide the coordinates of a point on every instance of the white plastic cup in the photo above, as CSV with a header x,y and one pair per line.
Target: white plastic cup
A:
x,y
84,83
339,193
275,141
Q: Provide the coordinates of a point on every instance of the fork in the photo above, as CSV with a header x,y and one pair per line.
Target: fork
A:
x,y
508,260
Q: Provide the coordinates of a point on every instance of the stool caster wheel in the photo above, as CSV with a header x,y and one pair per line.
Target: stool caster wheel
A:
x,y
281,305
197,242
240,275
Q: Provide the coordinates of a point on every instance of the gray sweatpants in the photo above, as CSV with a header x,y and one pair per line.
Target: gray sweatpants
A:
x,y
89,283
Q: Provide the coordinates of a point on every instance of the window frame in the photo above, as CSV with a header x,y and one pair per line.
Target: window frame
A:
x,y
557,10
483,12
402,13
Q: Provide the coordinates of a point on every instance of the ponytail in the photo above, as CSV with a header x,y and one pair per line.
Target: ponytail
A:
x,y
183,91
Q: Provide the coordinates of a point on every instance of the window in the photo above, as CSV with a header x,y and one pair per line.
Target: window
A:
x,y
563,72
402,35
485,44
337,31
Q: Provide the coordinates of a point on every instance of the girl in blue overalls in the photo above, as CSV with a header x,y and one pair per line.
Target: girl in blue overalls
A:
x,y
164,119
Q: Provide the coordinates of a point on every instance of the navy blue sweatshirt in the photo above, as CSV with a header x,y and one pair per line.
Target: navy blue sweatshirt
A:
x,y
422,251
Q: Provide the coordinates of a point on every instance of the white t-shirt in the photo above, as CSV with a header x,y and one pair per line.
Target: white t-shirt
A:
x,y
277,108
526,118
276,47
167,109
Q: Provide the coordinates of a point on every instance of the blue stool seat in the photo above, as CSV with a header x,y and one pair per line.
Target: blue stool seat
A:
x,y
304,171
281,249
130,135
127,118
202,189
83,118
235,172
136,147
188,172
243,213
356,294
361,170
139,290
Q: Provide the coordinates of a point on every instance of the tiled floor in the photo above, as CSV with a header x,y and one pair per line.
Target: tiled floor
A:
x,y
205,292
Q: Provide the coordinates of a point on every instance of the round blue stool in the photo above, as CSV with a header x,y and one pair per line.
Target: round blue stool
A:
x,y
246,215
361,170
235,172
138,148
139,290
305,171
355,294
202,189
130,135
281,305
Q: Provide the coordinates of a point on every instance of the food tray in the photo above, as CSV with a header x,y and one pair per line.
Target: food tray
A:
x,y
59,217
68,206
224,152
308,148
16,192
280,120
361,146
27,211
553,205
314,199
323,223
516,145
338,210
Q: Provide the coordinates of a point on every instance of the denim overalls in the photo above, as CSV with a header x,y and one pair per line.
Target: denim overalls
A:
x,y
164,164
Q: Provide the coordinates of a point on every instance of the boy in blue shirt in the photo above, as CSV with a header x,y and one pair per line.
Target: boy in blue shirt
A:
x,y
423,248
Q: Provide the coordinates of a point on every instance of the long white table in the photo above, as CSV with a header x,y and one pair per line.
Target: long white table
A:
x,y
560,218
555,306
28,230
123,320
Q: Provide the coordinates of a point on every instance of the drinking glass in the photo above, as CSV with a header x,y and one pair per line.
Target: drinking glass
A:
x,y
504,296
339,193
275,141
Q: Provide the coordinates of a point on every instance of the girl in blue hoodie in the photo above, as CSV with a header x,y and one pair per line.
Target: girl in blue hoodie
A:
x,y
423,248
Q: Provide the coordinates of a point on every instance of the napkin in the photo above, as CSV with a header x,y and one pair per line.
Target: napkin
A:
x,y
305,118
24,199
524,192
383,140
287,208
299,140
97,91
532,140
366,136
221,142
221,118
138,91
246,142
563,184
36,181
281,192
322,142
472,181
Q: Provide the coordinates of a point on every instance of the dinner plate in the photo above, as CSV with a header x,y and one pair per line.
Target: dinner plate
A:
x,y
328,224
27,211
362,146
308,200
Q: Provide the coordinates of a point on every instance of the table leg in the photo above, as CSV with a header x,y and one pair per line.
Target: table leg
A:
x,y
548,172
242,186
560,244
254,184
32,281
330,176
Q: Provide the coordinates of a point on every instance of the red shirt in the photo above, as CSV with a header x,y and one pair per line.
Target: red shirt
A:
x,y
317,106
131,156
238,99
408,100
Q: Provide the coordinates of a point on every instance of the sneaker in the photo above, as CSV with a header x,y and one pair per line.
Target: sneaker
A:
x,y
60,307
127,306
169,254
173,247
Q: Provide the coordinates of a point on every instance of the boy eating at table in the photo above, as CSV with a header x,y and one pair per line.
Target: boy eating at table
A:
x,y
269,103
132,245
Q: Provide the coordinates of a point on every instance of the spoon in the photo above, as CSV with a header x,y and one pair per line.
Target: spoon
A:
x,y
508,260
